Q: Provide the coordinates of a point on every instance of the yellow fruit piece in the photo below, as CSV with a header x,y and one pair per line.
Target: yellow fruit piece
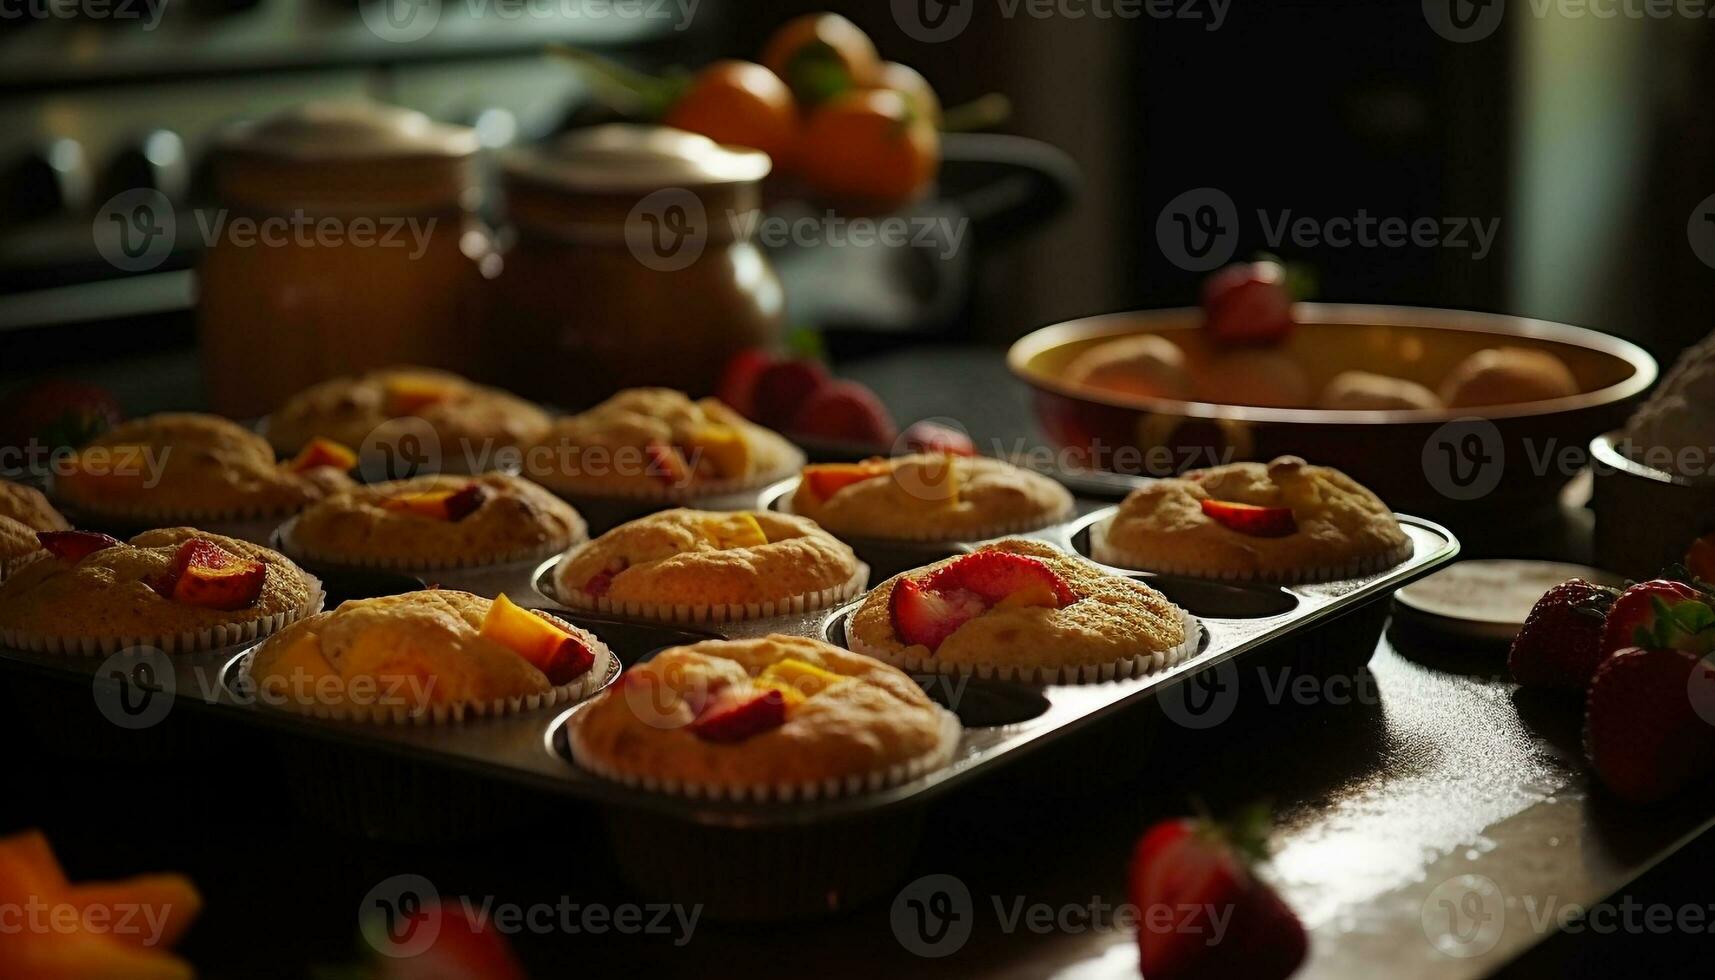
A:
x,y
1033,595
738,530
410,395
720,447
807,679
522,631
934,480
323,452
431,504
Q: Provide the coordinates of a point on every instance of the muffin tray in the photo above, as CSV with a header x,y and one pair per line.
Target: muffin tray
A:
x,y
1004,721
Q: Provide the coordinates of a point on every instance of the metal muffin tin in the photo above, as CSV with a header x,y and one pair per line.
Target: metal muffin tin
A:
x,y
527,749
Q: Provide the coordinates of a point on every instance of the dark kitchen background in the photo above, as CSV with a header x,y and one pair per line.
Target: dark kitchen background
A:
x,y
1589,140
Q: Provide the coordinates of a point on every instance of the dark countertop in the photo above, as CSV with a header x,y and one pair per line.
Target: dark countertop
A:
x,y
1422,787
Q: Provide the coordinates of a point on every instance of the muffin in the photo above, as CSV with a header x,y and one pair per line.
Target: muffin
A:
x,y
23,512
432,419
178,589
1023,610
433,522
657,444
928,497
1147,366
774,718
1362,391
185,468
692,565
1507,376
1284,521
434,655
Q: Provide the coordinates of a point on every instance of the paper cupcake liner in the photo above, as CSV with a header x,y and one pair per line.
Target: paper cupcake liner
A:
x,y
1356,568
713,613
986,532
191,641
947,743
698,490
289,546
606,668
1137,666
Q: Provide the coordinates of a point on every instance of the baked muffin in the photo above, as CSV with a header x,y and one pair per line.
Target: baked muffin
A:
x,y
928,497
774,718
432,522
178,589
1021,609
1146,366
1507,376
186,468
23,512
1363,391
1284,521
466,424
693,565
658,444
434,655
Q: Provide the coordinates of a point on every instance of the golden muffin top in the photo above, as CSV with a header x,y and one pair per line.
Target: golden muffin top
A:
x,y
1048,610
695,557
1291,517
469,420
437,521
773,711
929,497
409,654
658,442
187,466
23,512
126,589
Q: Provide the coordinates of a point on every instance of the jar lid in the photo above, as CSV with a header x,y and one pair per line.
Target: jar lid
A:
x,y
621,158
352,130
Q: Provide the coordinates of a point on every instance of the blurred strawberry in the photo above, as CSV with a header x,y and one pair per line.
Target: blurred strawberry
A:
x,y
462,950
1643,731
1248,304
738,380
57,413
845,411
783,388
1636,614
1202,913
1560,644
933,437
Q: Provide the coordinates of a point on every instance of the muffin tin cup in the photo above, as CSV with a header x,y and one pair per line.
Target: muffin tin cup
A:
x,y
1045,674
1102,552
716,613
947,741
190,642
509,571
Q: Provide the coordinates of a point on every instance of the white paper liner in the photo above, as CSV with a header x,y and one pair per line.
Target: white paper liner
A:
x,y
986,532
697,490
716,613
597,677
947,743
193,641
1137,666
534,554
1356,568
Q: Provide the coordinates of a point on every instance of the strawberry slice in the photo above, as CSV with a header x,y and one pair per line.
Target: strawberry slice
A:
x,y
925,617
1637,613
731,717
933,437
1642,730
465,501
1249,519
1560,644
998,577
74,546
827,479
1202,913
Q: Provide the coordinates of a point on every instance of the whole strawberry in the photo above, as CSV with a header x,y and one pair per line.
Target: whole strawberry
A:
x,y
1643,731
1560,644
1202,912
1637,612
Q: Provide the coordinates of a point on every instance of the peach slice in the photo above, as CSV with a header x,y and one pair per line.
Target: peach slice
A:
x,y
736,530
722,447
301,669
205,574
805,679
559,655
827,479
323,452
439,505
409,396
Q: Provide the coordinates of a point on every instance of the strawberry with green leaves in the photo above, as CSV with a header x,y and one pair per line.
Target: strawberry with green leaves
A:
x,y
1561,642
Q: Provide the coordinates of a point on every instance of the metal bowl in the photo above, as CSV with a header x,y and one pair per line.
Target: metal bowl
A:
x,y
1645,518
1420,461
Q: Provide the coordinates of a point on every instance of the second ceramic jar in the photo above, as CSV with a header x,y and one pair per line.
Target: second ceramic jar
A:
x,y
633,263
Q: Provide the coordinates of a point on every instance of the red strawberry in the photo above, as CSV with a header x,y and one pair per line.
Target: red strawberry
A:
x,y
783,388
736,717
1248,304
57,413
465,502
568,661
1560,644
1258,522
933,437
600,582
74,546
1636,609
1203,914
1642,730
737,386
845,411
922,616
997,576
462,949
